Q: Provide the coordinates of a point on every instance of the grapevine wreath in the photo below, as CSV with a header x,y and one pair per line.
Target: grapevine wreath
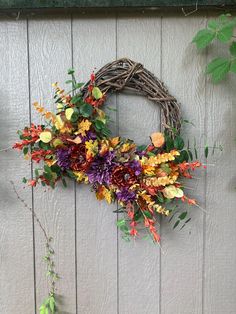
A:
x,y
76,142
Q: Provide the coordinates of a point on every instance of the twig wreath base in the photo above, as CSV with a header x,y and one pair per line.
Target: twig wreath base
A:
x,y
76,142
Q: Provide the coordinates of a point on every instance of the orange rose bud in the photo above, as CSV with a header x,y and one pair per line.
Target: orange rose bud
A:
x,y
158,139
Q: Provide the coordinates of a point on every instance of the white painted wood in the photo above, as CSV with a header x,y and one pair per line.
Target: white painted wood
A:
x,y
94,42
16,238
139,38
50,58
182,71
220,231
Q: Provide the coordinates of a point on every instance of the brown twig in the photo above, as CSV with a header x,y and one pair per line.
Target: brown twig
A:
x,y
31,210
127,74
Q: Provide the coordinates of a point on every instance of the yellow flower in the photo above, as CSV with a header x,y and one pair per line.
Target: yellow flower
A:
x,y
127,147
161,210
83,126
160,181
104,193
160,158
81,176
92,148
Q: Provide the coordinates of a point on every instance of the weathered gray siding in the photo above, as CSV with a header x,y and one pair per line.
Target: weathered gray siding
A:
x,y
195,273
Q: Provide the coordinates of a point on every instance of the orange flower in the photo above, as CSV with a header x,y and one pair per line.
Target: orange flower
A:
x,y
158,139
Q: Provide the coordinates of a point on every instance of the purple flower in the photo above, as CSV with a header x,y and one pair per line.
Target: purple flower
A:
x,y
89,136
63,158
126,195
101,168
135,166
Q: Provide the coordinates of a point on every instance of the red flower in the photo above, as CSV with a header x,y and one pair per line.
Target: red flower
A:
x,y
32,182
78,156
123,176
133,232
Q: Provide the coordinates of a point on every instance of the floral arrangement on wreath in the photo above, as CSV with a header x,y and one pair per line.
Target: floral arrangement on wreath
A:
x,y
76,142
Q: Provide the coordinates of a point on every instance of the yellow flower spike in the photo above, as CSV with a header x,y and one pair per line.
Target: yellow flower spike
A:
x,y
54,84
92,148
83,126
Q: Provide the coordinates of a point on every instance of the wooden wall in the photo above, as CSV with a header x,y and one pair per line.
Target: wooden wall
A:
x,y
195,273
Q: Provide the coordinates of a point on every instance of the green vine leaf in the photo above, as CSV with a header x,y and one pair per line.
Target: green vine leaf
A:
x,y
232,49
203,38
233,66
225,33
218,68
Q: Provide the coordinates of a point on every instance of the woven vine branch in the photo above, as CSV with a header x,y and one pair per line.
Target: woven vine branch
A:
x,y
125,74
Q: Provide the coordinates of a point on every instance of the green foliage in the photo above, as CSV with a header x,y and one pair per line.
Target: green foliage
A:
x,y
220,29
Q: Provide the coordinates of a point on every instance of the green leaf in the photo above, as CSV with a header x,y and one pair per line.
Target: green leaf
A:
x,y
97,93
233,66
203,38
213,24
226,32
120,222
64,182
141,148
169,143
78,85
52,304
44,146
183,215
75,99
99,124
69,81
184,156
148,214
218,68
206,151
178,143
24,180
124,229
190,154
176,224
36,171
232,49
86,110
25,150
71,71
47,169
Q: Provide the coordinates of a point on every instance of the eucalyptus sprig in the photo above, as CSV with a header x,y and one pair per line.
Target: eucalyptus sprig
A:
x,y
49,305
221,29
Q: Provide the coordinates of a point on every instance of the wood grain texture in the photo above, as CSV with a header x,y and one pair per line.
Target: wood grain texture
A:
x,y
196,272
16,237
139,268
50,58
220,232
182,70
35,4
94,42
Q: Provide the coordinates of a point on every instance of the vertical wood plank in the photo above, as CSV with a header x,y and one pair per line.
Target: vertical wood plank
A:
x,y
50,58
94,42
139,38
220,233
181,267
16,245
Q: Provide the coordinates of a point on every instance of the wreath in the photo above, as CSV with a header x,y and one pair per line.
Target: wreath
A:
x,y
76,142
